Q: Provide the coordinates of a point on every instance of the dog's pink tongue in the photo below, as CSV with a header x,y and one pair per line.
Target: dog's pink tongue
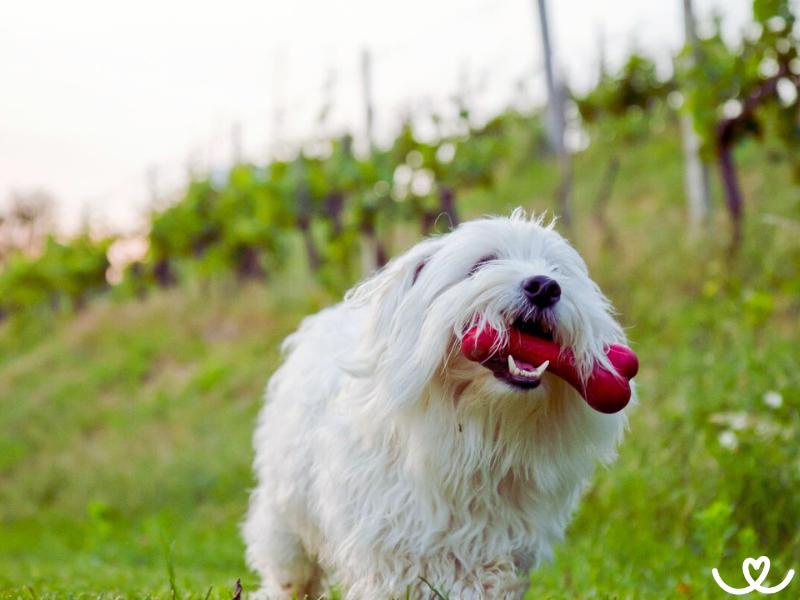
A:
x,y
603,391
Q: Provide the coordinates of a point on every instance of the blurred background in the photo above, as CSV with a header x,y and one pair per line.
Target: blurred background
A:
x,y
181,182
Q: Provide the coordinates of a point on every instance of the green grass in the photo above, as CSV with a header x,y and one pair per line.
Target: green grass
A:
x,y
125,430
130,425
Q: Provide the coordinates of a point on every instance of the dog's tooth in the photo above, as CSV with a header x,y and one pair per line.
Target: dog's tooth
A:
x,y
512,366
515,370
541,368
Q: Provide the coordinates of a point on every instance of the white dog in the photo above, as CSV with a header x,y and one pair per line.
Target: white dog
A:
x,y
388,464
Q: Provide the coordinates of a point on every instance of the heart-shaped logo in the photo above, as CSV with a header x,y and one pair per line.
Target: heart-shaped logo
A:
x,y
760,565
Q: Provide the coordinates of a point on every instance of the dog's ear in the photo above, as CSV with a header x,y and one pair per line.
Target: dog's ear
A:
x,y
386,290
385,297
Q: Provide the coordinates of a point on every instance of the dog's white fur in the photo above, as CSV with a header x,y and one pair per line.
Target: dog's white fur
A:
x,y
387,462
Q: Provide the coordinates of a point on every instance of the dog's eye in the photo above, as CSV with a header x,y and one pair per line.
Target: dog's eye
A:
x,y
417,271
481,262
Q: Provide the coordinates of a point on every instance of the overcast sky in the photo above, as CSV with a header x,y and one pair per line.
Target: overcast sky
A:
x,y
95,93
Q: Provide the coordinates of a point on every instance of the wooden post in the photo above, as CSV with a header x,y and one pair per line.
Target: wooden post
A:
x,y
372,250
555,119
555,116
366,87
236,143
152,185
696,177
602,60
278,99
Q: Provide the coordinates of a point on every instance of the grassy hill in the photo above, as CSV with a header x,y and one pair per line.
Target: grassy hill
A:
x,y
125,430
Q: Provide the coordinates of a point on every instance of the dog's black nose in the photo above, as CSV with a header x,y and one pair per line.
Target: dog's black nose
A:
x,y
541,291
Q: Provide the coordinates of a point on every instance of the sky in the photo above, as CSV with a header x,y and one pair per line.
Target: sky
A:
x,y
109,105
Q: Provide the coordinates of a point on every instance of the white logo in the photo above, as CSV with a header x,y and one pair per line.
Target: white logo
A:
x,y
758,564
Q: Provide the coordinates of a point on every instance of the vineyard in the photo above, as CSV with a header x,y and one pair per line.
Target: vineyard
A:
x,y
345,206
130,387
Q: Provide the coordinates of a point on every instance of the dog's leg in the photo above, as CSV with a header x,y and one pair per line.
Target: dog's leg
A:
x,y
286,570
498,580
277,554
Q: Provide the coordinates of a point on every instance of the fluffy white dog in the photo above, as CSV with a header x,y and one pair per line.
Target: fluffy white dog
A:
x,y
388,463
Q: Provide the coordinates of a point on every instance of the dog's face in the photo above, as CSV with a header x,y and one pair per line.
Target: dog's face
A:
x,y
500,272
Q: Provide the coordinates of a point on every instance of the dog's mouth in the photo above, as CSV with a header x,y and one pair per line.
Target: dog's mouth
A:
x,y
606,388
516,372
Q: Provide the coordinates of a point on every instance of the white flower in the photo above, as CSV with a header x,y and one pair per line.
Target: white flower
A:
x,y
728,439
773,399
734,420
738,421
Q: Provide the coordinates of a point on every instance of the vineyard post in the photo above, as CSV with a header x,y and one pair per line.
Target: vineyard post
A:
x,y
602,59
371,249
162,270
236,143
278,98
555,121
192,169
304,211
369,111
696,177
152,185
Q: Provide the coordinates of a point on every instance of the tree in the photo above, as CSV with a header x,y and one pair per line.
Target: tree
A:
x,y
27,222
734,94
